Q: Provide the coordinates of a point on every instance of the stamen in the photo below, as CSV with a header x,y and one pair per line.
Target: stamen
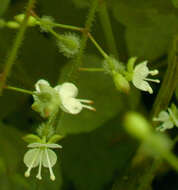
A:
x,y
27,173
154,72
152,80
88,107
86,101
40,165
52,176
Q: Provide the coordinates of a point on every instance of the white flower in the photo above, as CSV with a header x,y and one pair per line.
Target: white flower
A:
x,y
63,96
46,99
140,79
168,120
40,155
69,102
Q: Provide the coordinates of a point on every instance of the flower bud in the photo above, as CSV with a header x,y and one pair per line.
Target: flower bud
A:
x,y
46,22
121,82
13,25
137,126
31,20
69,44
111,64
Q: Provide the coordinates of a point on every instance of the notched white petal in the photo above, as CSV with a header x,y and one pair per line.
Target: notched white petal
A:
x,y
140,79
39,83
71,105
67,90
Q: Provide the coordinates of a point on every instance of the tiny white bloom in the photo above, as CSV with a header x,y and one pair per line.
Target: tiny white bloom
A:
x,y
140,79
40,155
168,119
69,102
63,96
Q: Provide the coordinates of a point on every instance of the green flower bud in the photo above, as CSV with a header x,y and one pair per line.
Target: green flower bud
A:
x,y
111,64
13,25
137,126
69,44
46,22
31,20
121,82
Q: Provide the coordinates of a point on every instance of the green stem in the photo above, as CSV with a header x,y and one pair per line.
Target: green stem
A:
x,y
16,46
169,83
55,34
87,29
107,28
75,28
172,160
92,69
98,46
19,90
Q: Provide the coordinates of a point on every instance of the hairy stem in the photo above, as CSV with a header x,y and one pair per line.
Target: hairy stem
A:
x,y
98,46
87,29
16,46
69,27
107,28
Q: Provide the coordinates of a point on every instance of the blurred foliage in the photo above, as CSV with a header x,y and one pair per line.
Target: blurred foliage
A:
x,y
96,149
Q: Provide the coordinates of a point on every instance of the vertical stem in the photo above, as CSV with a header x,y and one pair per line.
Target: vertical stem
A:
x,y
107,28
170,81
16,46
87,29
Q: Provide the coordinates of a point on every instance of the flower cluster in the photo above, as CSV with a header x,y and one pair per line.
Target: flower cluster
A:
x,y
47,101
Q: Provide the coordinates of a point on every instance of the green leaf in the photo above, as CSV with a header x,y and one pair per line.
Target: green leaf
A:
x,y
4,5
150,26
91,160
55,138
175,3
31,138
100,88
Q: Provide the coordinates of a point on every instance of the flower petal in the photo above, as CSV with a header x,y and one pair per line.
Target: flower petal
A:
x,y
141,70
32,158
142,85
39,83
52,157
71,105
35,145
52,145
67,89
